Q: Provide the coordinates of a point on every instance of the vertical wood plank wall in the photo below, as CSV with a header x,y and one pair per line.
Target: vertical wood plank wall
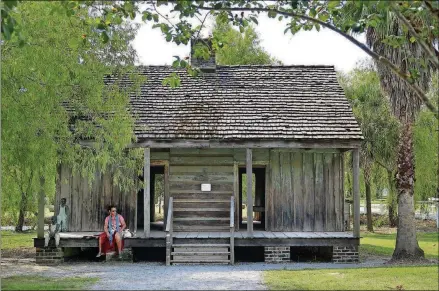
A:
x,y
188,169
305,192
88,203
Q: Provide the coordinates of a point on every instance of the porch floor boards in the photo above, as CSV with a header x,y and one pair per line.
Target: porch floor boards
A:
x,y
241,234
259,239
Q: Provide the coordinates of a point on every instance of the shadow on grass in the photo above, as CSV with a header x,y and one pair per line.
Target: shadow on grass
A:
x,y
422,236
376,250
384,244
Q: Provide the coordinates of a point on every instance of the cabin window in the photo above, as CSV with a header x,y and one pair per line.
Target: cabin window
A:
x,y
258,194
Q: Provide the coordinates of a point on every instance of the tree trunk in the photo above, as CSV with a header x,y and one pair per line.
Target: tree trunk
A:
x,y
406,242
160,204
23,204
368,207
391,200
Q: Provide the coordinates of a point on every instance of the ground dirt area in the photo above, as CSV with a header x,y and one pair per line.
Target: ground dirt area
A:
x,y
375,251
21,253
132,276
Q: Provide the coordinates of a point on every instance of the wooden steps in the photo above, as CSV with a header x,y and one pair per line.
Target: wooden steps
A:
x,y
200,215
205,239
196,262
201,211
201,245
201,219
187,253
200,228
200,253
180,200
198,210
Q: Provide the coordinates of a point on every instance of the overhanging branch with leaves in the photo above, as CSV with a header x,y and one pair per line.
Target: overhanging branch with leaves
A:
x,y
419,92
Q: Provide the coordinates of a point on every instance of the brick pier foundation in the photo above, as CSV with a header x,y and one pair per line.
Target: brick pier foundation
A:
x,y
345,254
49,256
277,254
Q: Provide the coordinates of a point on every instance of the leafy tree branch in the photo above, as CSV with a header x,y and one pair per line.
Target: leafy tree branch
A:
x,y
419,92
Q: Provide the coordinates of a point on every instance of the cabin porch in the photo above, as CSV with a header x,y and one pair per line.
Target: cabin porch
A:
x,y
297,201
270,243
242,238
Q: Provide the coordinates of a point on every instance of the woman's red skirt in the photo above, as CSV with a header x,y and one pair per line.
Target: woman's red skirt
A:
x,y
106,246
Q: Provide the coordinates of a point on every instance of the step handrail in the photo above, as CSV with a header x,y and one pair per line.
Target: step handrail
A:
x,y
169,231
232,230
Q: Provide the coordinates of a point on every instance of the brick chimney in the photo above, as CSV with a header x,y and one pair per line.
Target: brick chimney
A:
x,y
206,66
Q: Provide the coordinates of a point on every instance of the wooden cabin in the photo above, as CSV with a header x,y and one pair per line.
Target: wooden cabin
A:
x,y
287,127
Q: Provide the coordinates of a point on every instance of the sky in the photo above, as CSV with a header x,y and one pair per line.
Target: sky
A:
x,y
305,48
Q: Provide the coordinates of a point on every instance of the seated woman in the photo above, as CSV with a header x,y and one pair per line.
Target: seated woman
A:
x,y
113,228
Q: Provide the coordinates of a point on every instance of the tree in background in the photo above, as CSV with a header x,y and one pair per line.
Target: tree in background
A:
x,y
240,48
361,82
379,128
53,96
338,16
425,141
405,106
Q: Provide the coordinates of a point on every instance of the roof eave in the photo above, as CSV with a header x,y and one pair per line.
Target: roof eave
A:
x,y
243,143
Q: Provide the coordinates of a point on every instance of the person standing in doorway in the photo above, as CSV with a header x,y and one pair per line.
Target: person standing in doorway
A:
x,y
63,214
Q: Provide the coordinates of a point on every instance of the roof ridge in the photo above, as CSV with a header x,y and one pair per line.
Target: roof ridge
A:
x,y
275,66
143,66
279,66
330,67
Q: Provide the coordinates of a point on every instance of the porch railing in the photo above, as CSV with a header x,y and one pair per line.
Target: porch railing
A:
x,y
169,230
232,230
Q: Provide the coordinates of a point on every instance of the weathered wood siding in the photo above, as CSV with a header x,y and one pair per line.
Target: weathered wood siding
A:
x,y
88,203
159,155
305,192
195,210
260,156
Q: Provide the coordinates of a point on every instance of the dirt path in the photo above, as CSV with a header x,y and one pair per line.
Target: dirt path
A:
x,y
132,276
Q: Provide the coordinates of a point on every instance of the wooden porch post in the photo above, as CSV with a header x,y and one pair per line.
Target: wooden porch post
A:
x,y
236,191
249,193
356,188
41,202
135,213
166,195
146,193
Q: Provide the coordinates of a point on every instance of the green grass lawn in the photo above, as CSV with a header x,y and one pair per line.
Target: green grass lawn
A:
x,y
383,244
407,278
46,283
16,240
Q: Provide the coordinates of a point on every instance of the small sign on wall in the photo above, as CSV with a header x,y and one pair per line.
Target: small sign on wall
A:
x,y
205,187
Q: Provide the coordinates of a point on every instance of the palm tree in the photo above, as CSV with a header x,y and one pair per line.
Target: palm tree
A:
x,y
379,127
405,106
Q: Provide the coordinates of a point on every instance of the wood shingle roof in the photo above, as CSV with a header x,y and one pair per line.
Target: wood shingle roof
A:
x,y
245,103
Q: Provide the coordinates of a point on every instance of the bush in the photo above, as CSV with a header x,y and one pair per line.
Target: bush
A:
x,y
378,220
30,219
8,219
